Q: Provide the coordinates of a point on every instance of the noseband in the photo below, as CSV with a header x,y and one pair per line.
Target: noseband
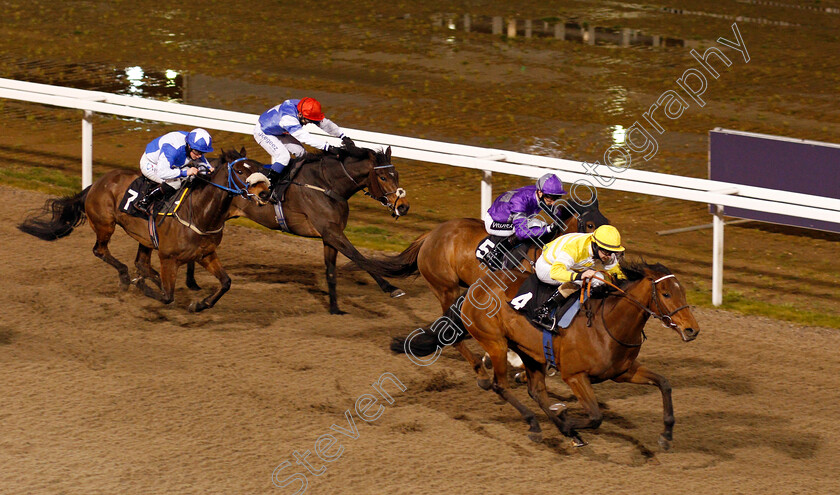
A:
x,y
659,314
380,195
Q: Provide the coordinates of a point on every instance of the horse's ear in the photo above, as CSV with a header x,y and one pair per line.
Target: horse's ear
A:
x,y
242,152
388,153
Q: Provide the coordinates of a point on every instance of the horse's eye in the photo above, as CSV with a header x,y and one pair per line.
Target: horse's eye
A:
x,y
666,295
382,179
239,172
590,225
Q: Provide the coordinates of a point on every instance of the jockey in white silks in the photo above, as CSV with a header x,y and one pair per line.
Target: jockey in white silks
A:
x,y
172,157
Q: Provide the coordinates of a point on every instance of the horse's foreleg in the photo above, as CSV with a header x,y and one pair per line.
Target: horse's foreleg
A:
x,y
640,375
191,283
582,388
168,269
330,254
143,262
537,390
333,236
498,354
213,265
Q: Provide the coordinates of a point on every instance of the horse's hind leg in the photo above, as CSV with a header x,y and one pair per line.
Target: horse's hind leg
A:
x,y
104,231
475,362
582,388
168,269
538,392
143,263
640,375
498,354
213,265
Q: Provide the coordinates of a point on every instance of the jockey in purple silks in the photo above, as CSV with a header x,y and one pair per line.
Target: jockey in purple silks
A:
x,y
513,214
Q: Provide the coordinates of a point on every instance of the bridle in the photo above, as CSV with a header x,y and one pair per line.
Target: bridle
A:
x,y
659,314
379,194
241,188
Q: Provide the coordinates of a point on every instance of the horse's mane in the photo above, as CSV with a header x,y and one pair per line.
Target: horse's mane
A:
x,y
637,269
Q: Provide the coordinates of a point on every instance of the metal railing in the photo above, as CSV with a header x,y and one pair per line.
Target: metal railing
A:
x,y
488,160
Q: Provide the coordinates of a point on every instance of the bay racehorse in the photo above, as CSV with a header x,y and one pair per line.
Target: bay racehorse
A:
x,y
602,342
446,256
190,234
315,205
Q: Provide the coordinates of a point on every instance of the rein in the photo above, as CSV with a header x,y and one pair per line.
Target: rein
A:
x,y
232,188
659,314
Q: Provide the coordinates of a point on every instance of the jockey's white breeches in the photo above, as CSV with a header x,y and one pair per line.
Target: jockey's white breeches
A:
x,y
150,170
280,148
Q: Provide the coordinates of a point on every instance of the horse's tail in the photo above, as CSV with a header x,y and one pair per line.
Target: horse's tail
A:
x,y
401,265
446,330
58,217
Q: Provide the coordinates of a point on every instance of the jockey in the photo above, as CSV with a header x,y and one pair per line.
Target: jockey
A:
x,y
571,259
280,132
513,213
170,158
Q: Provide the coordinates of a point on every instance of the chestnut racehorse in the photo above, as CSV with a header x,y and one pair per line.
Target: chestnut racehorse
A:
x,y
601,343
191,234
446,256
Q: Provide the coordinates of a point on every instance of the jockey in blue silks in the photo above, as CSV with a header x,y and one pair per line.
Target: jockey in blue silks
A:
x,y
170,158
514,213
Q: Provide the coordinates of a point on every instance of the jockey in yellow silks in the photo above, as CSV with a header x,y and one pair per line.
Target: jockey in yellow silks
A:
x,y
572,259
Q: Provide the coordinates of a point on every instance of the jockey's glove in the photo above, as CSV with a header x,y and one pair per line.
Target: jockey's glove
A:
x,y
347,142
332,150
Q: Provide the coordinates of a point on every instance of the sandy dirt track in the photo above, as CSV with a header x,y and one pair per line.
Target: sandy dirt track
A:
x,y
110,392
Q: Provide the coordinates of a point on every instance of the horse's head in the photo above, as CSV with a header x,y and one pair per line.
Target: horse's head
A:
x,y
581,217
383,182
245,176
667,299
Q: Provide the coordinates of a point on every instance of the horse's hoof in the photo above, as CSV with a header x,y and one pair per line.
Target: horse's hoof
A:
x,y
484,383
193,287
397,293
556,407
488,363
336,311
197,306
664,443
578,442
535,436
521,377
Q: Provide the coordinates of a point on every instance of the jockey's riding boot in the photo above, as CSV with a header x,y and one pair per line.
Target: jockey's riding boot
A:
x,y
145,204
542,315
273,176
499,257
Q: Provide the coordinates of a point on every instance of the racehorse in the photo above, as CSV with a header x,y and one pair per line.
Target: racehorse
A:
x,y
190,234
315,205
601,343
446,256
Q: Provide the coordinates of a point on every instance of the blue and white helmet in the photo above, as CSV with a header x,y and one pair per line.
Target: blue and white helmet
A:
x,y
551,185
199,140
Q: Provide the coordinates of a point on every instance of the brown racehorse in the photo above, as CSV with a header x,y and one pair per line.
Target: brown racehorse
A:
x,y
191,234
446,256
315,205
601,343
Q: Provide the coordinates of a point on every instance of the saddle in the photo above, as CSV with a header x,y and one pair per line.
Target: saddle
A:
x,y
498,255
139,188
278,194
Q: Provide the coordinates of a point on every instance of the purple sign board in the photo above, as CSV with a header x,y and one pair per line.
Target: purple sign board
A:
x,y
787,164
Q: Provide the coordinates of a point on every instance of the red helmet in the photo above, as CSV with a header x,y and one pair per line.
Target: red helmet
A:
x,y
310,109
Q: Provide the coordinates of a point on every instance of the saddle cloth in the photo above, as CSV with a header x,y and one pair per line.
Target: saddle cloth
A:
x,y
533,293
139,188
499,258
